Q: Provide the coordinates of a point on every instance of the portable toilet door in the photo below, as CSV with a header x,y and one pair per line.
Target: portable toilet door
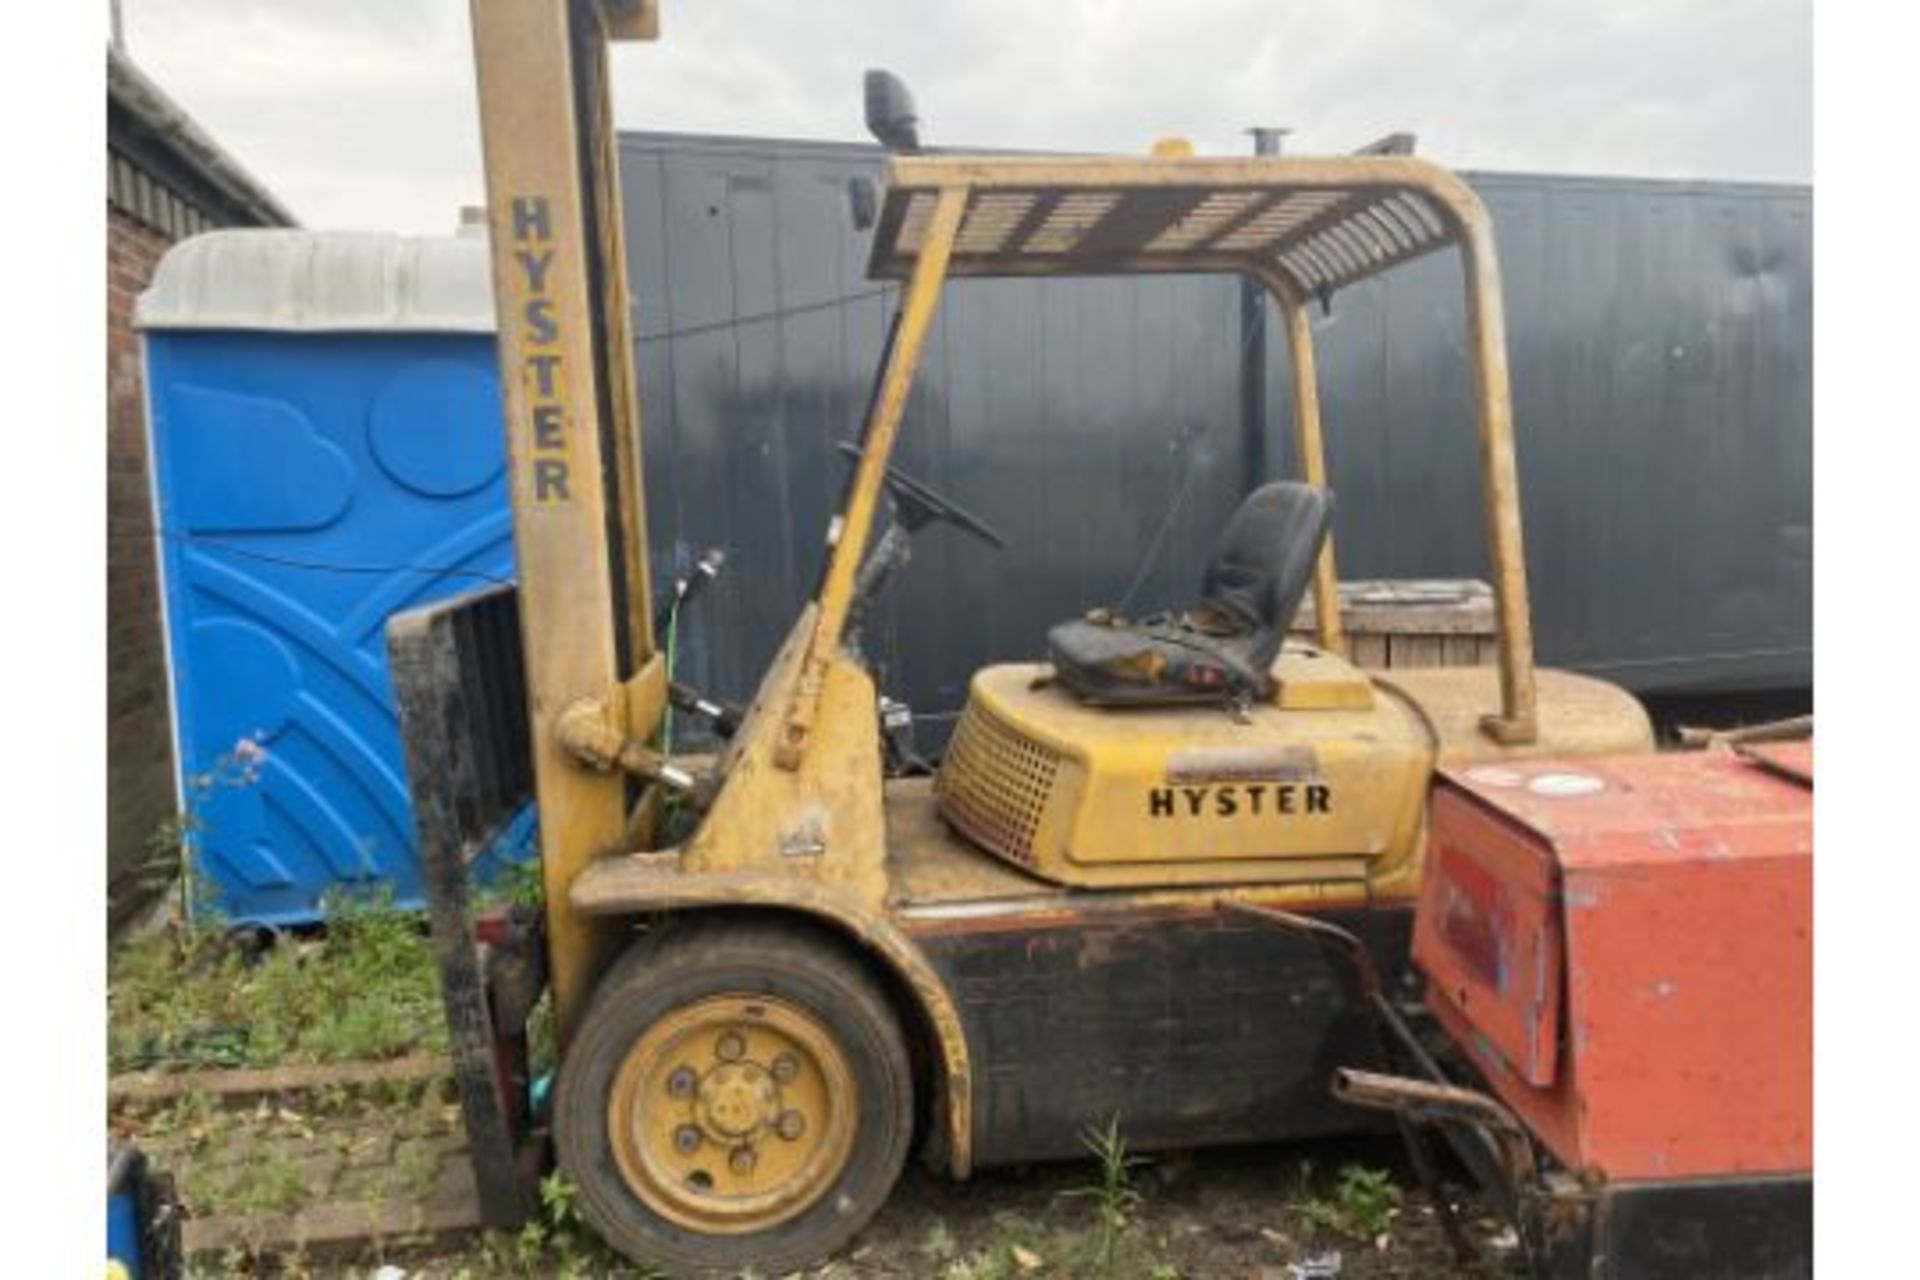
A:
x,y
325,434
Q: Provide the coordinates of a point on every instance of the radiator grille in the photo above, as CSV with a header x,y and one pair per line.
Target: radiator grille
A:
x,y
994,784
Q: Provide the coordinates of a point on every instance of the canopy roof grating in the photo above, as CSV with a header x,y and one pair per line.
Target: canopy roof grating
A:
x,y
1316,224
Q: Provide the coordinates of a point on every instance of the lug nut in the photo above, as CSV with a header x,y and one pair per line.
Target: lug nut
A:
x,y
790,1125
680,1083
686,1139
785,1068
741,1161
731,1047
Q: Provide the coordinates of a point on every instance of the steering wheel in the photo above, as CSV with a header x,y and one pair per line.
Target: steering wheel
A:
x,y
919,504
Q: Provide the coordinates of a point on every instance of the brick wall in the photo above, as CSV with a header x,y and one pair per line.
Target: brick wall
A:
x,y
140,791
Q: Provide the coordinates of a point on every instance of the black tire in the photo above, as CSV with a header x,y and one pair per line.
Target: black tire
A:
x,y
694,959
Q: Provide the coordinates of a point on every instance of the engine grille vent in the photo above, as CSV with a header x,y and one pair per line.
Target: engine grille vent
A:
x,y
994,784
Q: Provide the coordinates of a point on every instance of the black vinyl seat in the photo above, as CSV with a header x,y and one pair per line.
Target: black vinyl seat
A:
x,y
1220,650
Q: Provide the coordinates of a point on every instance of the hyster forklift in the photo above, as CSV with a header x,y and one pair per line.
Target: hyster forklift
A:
x,y
775,971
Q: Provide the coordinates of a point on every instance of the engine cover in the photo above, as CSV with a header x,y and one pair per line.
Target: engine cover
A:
x,y
1325,783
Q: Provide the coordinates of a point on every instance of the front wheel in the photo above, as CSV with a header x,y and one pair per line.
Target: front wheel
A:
x,y
737,1095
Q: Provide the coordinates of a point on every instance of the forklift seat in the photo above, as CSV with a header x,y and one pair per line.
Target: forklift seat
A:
x,y
1220,650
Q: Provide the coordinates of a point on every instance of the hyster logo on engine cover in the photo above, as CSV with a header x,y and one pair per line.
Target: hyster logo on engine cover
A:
x,y
1240,800
1241,782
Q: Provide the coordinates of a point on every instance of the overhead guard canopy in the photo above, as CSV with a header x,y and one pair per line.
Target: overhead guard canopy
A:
x,y
1302,226
1306,225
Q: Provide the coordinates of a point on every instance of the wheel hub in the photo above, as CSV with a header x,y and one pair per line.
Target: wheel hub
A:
x,y
738,1099
732,1114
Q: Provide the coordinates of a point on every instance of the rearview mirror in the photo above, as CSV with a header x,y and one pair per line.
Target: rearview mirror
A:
x,y
891,117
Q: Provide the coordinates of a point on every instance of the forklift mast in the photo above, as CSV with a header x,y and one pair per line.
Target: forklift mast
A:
x,y
593,672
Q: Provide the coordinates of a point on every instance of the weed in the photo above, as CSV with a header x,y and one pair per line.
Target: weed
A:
x,y
265,1182
556,1243
513,1253
1114,1196
272,1184
186,998
557,1202
191,1119
515,884
543,1049
416,1167
173,847
170,999
162,861
1363,1204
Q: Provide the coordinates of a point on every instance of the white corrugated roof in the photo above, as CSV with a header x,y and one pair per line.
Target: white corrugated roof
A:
x,y
322,281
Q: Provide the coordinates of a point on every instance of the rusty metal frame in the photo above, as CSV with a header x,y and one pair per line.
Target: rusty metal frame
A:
x,y
1489,1140
459,687
1378,213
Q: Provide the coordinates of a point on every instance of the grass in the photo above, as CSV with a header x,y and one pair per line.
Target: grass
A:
x,y
1019,1247
555,1243
1114,1197
1360,1206
1110,1247
190,995
188,998
254,1165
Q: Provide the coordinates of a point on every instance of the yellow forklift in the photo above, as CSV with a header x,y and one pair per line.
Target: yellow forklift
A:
x,y
776,971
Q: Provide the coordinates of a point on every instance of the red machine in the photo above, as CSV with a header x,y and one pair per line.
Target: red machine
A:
x,y
1621,952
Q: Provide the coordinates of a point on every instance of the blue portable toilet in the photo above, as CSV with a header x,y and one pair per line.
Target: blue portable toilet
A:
x,y
325,434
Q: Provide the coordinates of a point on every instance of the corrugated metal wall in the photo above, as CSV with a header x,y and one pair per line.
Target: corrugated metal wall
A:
x,y
1661,345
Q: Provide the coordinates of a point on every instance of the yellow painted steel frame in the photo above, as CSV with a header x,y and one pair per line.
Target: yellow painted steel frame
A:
x,y
560,290
960,178
957,178
1310,457
798,823
848,535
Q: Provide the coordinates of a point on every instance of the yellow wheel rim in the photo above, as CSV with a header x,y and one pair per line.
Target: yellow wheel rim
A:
x,y
732,1114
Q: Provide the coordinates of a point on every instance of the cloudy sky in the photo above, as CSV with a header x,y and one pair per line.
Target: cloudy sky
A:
x,y
360,113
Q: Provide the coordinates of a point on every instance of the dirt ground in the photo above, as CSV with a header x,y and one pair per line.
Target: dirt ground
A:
x,y
1251,1212
1221,1213
366,1172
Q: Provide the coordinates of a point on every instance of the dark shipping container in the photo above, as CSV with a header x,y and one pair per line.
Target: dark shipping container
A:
x,y
1660,335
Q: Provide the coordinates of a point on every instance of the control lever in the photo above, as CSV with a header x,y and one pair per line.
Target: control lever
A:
x,y
689,585
896,741
724,718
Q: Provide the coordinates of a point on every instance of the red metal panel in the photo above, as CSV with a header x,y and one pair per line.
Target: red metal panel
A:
x,y
1489,935
1685,927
